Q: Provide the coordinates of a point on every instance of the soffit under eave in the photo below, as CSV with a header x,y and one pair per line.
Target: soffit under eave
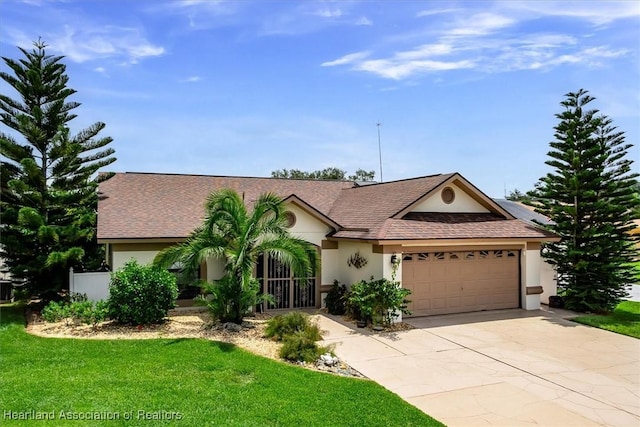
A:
x,y
470,189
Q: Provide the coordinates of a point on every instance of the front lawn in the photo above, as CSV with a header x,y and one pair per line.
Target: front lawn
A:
x,y
625,319
155,382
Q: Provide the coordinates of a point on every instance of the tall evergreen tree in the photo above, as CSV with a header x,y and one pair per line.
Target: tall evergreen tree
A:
x,y
49,176
589,196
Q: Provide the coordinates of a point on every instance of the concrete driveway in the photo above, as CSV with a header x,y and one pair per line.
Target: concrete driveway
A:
x,y
508,368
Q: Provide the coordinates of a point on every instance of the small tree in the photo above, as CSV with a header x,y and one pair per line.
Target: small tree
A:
x,y
49,180
589,196
238,236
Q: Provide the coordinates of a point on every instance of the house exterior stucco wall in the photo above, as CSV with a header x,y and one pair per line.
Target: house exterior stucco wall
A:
x,y
314,231
308,227
121,257
462,203
548,281
350,274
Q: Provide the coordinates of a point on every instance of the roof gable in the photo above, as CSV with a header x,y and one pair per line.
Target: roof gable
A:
x,y
467,199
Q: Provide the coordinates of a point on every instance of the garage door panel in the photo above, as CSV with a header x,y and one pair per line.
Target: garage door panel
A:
x,y
456,282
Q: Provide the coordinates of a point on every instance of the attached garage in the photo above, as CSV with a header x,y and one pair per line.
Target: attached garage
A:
x,y
462,281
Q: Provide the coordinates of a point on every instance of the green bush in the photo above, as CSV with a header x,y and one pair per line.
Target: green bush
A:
x,y
298,335
302,346
141,295
222,297
291,323
378,300
78,311
335,299
56,311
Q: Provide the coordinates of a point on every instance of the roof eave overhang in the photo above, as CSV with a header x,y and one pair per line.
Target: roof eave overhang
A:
x,y
112,240
440,242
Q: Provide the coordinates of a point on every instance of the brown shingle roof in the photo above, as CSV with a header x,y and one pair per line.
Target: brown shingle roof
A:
x,y
402,229
142,205
145,206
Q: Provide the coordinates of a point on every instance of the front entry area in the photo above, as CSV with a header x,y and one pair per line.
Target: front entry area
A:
x,y
288,292
461,281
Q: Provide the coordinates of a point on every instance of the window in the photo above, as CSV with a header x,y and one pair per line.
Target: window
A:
x,y
448,195
291,218
423,256
407,257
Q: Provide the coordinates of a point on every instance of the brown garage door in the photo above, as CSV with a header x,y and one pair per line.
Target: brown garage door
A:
x,y
458,282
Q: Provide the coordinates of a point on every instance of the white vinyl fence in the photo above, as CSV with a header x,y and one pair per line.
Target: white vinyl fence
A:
x,y
95,285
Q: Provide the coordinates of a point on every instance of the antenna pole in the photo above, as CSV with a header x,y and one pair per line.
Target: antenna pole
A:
x,y
380,150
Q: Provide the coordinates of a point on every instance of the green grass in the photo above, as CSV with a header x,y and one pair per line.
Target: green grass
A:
x,y
208,383
625,319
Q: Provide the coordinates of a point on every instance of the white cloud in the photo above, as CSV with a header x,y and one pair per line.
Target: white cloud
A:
x,y
481,24
191,79
496,40
346,59
397,70
328,13
432,12
595,12
89,42
363,21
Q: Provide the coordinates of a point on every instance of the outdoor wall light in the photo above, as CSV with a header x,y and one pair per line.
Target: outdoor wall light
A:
x,y
394,258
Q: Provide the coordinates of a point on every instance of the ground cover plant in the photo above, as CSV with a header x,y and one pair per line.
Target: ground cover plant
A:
x,y
625,319
203,382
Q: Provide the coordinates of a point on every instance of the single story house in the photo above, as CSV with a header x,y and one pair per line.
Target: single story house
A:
x,y
454,247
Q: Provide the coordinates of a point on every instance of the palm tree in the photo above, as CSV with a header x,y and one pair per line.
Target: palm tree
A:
x,y
232,233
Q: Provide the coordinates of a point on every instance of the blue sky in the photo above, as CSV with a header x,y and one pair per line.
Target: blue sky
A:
x,y
248,87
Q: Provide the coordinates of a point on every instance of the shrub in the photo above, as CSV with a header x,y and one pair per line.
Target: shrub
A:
x,y
56,311
90,314
298,335
291,323
335,299
223,294
380,300
77,311
140,295
301,346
